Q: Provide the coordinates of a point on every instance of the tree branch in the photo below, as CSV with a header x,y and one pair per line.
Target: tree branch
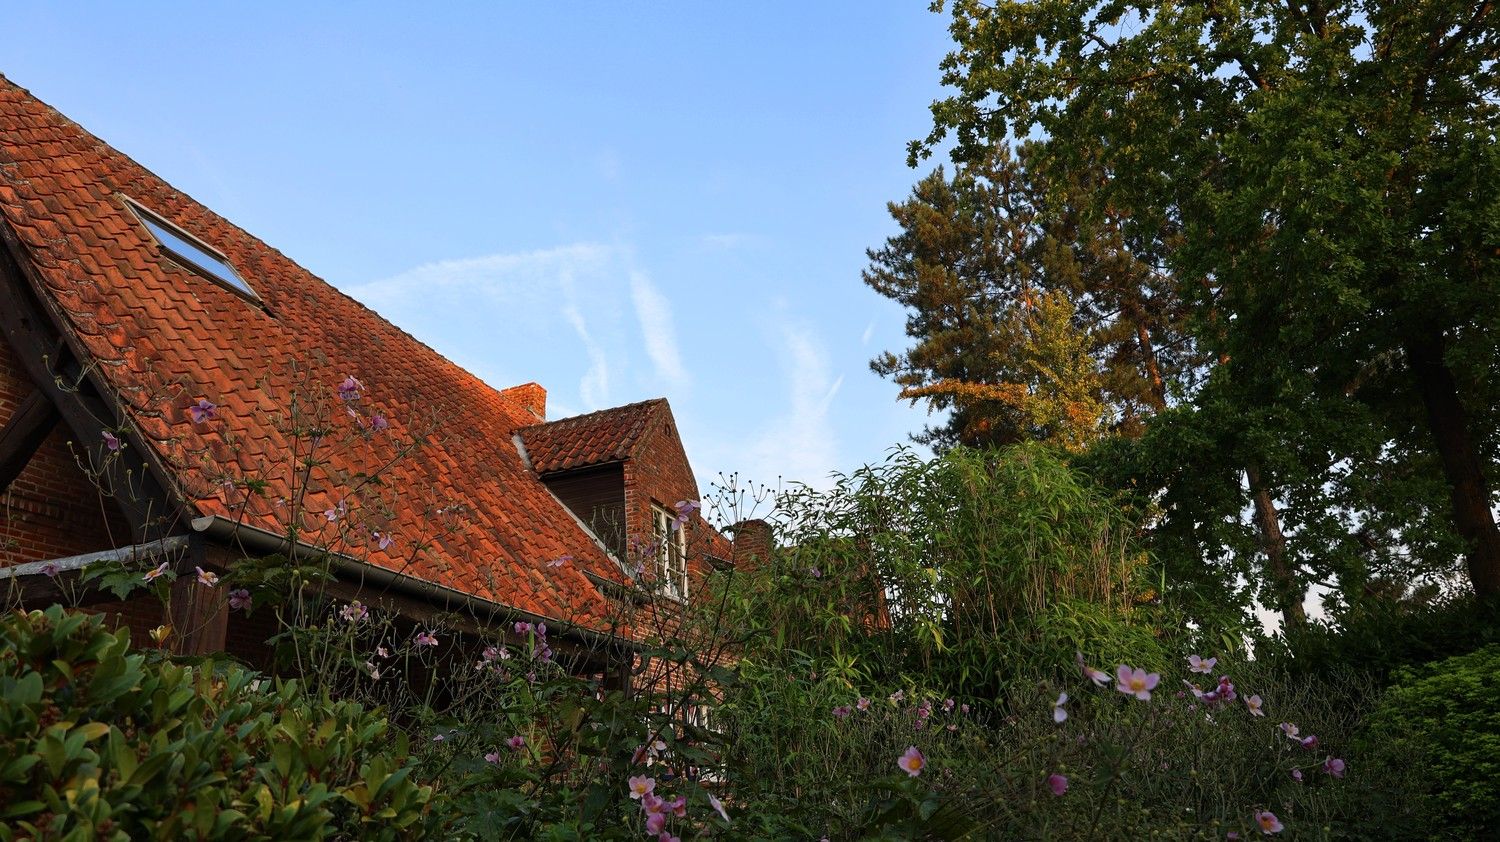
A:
x,y
1440,51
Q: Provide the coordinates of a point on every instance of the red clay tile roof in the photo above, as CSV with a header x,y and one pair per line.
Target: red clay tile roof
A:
x,y
608,435
465,511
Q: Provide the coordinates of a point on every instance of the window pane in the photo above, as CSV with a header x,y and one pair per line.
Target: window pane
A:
x,y
195,256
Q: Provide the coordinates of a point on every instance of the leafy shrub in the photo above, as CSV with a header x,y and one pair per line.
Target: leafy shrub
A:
x,y
810,753
1442,722
1382,636
100,743
990,567
515,743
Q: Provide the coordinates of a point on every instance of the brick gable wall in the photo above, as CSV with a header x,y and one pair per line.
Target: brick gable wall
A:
x,y
52,509
658,471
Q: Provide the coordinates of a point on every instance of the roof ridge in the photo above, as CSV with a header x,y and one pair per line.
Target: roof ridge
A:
x,y
653,402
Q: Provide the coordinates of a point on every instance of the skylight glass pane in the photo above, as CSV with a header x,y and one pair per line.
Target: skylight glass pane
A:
x,y
195,256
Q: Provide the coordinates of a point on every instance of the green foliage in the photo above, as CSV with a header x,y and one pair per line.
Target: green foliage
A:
x,y
973,569
1383,636
1319,184
1029,320
1173,766
1443,721
568,779
100,743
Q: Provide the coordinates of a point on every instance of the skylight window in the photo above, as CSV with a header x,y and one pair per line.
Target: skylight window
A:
x,y
192,253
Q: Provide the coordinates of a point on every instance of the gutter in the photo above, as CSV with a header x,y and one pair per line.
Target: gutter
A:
x,y
132,553
264,541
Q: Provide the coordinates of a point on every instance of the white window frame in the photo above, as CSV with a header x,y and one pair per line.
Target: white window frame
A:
x,y
671,554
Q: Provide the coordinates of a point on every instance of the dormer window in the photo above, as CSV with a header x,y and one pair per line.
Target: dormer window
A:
x,y
191,253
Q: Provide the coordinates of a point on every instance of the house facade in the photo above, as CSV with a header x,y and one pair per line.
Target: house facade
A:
x,y
175,391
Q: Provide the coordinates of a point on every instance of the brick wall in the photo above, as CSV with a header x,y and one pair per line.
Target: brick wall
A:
x,y
52,509
658,472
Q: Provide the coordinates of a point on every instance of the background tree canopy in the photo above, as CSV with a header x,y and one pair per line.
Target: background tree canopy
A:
x,y
1272,233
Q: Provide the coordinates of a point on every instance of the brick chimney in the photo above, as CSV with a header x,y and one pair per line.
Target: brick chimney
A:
x,y
530,397
752,543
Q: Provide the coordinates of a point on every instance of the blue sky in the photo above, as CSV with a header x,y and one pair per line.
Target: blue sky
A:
x,y
619,202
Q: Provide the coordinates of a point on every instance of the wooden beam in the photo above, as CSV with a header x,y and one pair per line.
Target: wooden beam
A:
x,y
131,476
23,434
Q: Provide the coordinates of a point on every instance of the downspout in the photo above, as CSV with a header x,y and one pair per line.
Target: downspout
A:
x,y
259,540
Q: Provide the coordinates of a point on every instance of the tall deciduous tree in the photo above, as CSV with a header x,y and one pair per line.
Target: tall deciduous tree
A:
x,y
1331,169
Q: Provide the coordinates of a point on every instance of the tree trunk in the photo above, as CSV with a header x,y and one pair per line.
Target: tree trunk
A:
x,y
1153,369
1288,595
1472,514
1136,313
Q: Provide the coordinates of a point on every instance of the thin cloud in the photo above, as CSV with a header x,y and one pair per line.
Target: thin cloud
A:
x,y
658,331
509,277
508,307
593,387
800,443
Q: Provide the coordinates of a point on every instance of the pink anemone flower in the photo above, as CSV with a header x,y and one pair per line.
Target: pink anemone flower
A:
x,y
1057,783
1099,677
1136,682
1197,664
718,806
641,786
1267,822
912,762
349,389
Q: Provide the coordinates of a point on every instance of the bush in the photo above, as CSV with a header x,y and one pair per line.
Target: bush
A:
x,y
1382,636
100,743
976,569
1442,723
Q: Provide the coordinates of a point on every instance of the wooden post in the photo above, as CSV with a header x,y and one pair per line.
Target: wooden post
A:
x,y
199,615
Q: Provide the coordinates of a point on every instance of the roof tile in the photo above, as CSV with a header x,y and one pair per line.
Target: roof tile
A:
x,y
609,435
181,336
